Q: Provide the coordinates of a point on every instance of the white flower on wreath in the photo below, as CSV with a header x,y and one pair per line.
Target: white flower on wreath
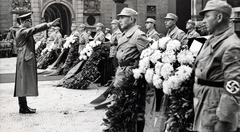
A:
x,y
51,46
89,53
144,64
149,75
154,45
158,67
83,57
162,42
185,57
146,53
173,45
157,81
88,50
136,73
166,70
170,84
183,73
169,56
156,56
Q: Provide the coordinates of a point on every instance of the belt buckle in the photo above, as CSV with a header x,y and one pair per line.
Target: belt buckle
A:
x,y
196,80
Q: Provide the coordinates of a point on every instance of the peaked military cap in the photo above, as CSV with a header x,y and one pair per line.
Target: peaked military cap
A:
x,y
128,12
99,25
191,22
24,17
82,25
150,20
171,16
74,24
57,28
115,21
217,5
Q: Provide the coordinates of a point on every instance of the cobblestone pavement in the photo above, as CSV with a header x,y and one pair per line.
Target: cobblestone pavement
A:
x,y
58,109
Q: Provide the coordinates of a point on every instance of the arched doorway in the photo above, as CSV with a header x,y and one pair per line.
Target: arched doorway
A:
x,y
61,11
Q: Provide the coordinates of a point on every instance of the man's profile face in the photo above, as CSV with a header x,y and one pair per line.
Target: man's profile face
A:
x,y
148,25
28,22
114,25
189,26
98,28
169,23
81,29
210,20
73,28
125,22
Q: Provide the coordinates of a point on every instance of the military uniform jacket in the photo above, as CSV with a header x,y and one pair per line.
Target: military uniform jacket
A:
x,y
192,34
58,40
177,34
26,69
153,34
99,36
129,48
114,42
219,61
83,40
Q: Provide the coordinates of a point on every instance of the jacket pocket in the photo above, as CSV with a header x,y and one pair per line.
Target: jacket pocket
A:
x,y
28,56
209,117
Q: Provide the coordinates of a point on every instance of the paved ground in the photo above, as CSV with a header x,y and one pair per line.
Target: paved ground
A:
x,y
58,109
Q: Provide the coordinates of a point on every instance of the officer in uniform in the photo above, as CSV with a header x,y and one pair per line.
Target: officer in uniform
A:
x,y
116,34
173,31
217,73
151,32
99,36
57,41
130,46
83,37
26,67
191,33
107,34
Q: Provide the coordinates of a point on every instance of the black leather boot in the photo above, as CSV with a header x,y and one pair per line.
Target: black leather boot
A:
x,y
24,109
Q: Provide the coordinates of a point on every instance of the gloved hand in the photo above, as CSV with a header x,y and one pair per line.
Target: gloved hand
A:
x,y
222,126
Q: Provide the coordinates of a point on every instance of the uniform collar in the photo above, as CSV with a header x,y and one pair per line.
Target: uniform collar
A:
x,y
173,30
151,31
191,32
130,32
222,36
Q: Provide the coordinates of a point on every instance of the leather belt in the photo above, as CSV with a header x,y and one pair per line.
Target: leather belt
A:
x,y
208,83
19,48
127,63
114,44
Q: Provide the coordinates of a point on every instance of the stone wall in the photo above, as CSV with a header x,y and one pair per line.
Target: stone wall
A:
x,y
5,15
106,9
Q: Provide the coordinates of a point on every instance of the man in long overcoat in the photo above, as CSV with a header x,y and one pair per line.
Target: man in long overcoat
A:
x,y
26,68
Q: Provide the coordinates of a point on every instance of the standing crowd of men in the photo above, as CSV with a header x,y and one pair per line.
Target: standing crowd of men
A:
x,y
216,70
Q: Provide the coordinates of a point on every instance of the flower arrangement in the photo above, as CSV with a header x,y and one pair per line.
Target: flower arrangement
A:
x,y
71,39
89,72
167,64
88,50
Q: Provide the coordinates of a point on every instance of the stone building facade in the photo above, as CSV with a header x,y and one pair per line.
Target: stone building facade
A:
x,y
89,12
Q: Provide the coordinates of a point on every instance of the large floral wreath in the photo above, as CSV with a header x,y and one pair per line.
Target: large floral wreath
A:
x,y
167,64
93,54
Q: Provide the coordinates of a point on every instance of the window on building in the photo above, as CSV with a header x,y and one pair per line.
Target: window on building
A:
x,y
151,9
151,12
234,3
